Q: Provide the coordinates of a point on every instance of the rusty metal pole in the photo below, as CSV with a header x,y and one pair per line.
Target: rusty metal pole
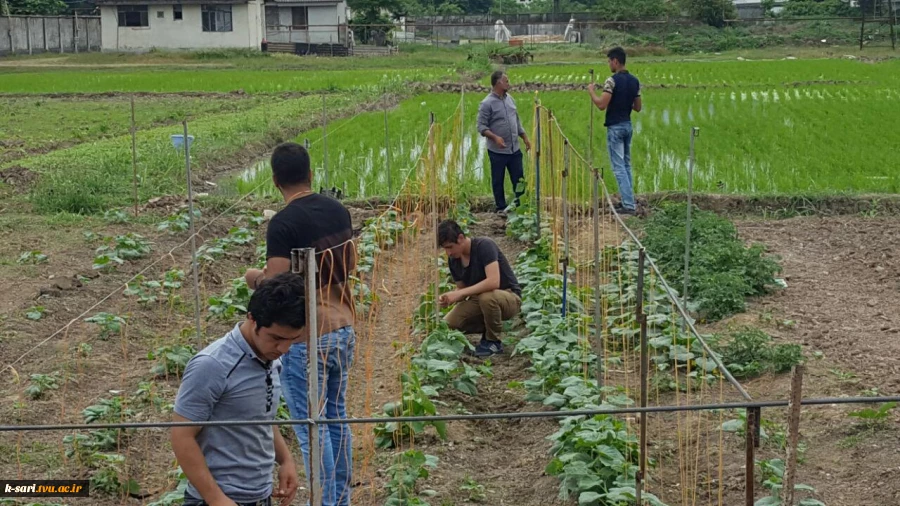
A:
x,y
752,440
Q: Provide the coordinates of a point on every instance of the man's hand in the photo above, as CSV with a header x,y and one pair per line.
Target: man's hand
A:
x,y
592,88
500,142
527,145
450,298
252,275
287,483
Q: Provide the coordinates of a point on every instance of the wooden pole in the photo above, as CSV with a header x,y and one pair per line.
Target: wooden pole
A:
x,y
134,176
790,462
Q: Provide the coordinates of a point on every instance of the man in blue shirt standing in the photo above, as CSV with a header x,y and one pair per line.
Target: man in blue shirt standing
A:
x,y
621,95
499,123
237,378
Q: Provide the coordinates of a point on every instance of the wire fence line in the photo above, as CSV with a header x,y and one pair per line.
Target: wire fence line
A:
x,y
546,159
824,401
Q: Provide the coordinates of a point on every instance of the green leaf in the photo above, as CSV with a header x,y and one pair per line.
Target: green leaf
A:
x,y
610,456
768,501
589,499
733,426
465,386
811,502
556,400
441,428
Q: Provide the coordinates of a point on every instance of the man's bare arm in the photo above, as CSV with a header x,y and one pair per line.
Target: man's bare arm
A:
x,y
490,282
192,462
637,106
274,267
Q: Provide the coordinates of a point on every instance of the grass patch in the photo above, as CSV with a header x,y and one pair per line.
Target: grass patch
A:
x,y
91,178
38,124
723,271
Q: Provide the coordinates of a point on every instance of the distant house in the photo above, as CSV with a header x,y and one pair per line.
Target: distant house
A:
x,y
140,25
306,21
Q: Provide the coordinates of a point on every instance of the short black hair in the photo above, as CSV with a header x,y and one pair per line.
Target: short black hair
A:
x,y
496,76
290,164
448,232
618,53
279,300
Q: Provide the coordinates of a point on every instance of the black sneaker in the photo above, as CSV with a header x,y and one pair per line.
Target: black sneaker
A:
x,y
481,343
620,209
488,348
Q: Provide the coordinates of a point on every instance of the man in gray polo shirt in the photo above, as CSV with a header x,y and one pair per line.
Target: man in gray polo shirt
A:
x,y
237,378
498,121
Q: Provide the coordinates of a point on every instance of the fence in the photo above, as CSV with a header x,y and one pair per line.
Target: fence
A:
x,y
49,34
618,316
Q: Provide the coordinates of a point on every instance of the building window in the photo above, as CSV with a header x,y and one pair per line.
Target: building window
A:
x,y
299,17
133,15
216,18
160,15
176,13
272,17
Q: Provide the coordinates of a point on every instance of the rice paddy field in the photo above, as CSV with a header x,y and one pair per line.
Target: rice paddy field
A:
x,y
99,319
248,81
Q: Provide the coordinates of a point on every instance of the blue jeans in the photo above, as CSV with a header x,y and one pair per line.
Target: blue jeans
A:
x,y
335,359
500,163
618,140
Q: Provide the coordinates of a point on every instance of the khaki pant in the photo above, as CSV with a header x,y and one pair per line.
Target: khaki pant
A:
x,y
484,313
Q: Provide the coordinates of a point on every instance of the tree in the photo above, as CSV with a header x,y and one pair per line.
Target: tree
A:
x,y
711,12
37,7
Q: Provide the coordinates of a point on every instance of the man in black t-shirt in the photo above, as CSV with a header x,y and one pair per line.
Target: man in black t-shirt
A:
x,y
313,220
487,292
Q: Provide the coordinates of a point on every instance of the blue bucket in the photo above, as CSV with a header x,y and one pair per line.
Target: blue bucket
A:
x,y
178,141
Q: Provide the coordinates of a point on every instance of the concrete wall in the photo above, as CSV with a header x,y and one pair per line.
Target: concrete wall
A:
x,y
323,25
41,34
186,33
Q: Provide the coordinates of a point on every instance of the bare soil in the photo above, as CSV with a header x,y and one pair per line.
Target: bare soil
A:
x,y
843,278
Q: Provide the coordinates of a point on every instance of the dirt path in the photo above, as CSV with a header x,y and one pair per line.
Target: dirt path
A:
x,y
506,457
843,276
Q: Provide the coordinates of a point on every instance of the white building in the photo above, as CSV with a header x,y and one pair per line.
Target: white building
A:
x,y
139,25
306,21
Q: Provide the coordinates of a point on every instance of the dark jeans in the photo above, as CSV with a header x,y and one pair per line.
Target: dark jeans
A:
x,y
500,163
190,501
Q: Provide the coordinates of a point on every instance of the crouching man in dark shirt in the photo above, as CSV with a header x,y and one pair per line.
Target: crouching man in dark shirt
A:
x,y
487,292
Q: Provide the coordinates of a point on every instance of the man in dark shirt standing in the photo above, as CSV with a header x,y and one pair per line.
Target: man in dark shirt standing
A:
x,y
499,123
487,292
313,220
621,94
